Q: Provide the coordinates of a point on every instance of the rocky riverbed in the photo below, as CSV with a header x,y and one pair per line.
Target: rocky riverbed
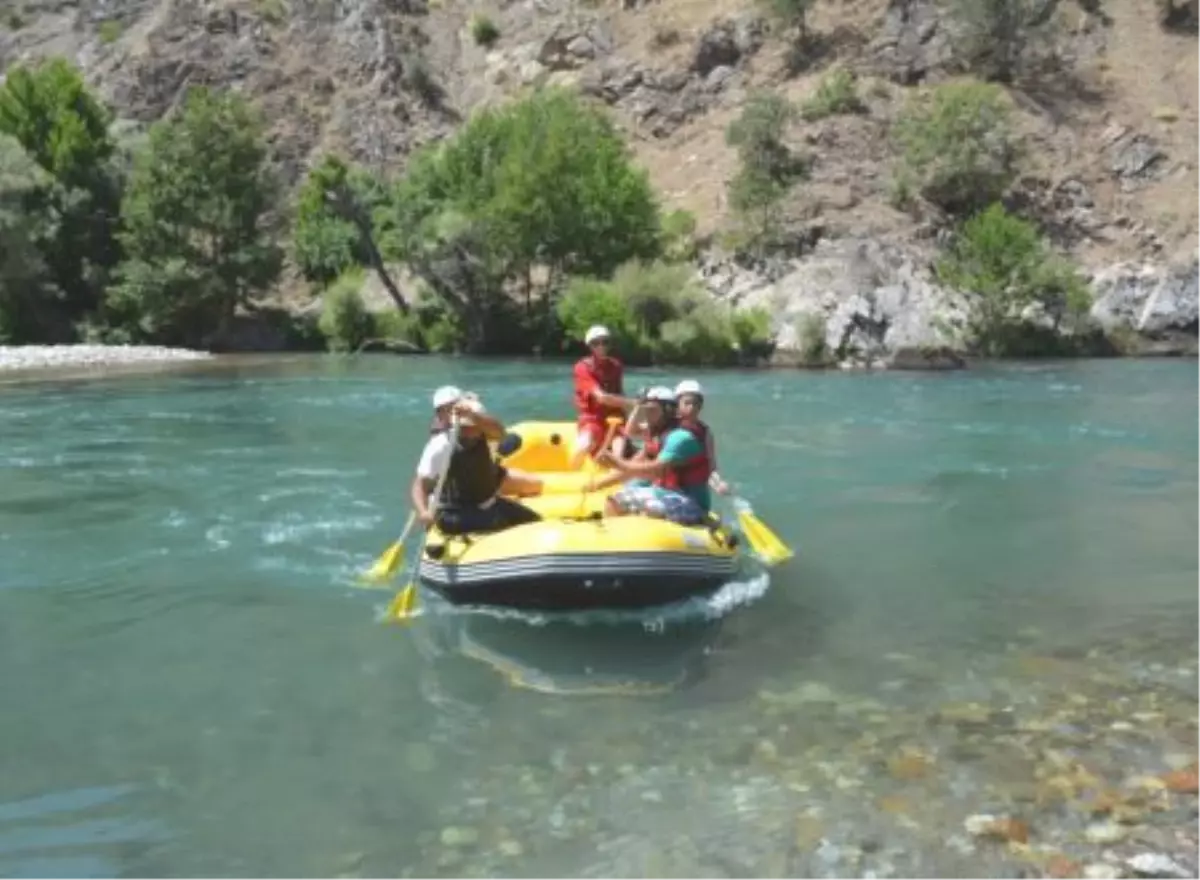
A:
x,y
1044,761
48,357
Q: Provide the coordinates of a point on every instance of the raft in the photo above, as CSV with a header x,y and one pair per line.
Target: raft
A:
x,y
544,448
577,564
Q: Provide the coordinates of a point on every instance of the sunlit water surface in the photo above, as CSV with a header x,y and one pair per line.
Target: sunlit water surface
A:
x,y
192,685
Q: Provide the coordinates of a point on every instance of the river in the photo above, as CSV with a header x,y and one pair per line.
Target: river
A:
x,y
992,610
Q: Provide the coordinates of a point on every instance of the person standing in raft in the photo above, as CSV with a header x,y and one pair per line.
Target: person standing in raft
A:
x,y
599,394
470,499
674,461
690,400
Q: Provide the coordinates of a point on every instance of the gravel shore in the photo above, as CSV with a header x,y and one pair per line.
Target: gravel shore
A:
x,y
38,357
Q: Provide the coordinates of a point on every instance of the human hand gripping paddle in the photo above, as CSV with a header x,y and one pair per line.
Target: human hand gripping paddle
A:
x,y
403,605
613,425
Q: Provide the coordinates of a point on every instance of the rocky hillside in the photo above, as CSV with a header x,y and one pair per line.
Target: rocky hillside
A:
x,y
1110,168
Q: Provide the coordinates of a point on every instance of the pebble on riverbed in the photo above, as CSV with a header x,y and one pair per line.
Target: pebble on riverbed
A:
x,y
1021,766
35,357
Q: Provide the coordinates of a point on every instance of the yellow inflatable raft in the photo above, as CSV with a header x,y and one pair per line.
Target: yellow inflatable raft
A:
x,y
593,562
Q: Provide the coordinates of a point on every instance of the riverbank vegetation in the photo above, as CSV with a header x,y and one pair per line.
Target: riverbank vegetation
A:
x,y
528,224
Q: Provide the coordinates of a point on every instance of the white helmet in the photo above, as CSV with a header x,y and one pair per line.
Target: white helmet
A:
x,y
598,331
689,386
661,394
446,395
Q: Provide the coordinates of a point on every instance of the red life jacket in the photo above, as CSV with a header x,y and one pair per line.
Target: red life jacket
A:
x,y
694,471
608,374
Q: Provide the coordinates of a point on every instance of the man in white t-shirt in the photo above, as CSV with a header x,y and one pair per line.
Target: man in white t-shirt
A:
x,y
470,499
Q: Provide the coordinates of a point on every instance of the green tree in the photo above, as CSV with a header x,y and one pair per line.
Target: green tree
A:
x,y
324,243
767,168
65,130
545,183
957,146
195,233
25,288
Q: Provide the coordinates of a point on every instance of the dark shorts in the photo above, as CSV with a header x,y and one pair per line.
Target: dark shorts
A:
x,y
503,513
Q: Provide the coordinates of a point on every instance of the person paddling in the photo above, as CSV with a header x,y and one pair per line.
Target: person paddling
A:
x,y
674,460
690,400
599,394
470,500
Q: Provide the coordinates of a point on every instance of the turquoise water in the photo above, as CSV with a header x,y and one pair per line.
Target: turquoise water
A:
x,y
192,685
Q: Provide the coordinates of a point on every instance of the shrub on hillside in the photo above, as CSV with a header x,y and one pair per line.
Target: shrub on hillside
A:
x,y
1003,264
792,14
483,30
679,243
995,37
836,93
957,146
195,230
767,168
658,313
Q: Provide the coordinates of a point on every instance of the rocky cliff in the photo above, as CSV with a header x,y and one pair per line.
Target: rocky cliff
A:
x,y
1109,171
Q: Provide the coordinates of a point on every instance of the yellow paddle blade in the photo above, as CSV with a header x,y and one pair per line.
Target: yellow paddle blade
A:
x,y
385,566
403,607
764,542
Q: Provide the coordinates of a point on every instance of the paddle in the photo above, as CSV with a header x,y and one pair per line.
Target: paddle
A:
x,y
387,563
613,424
403,605
764,542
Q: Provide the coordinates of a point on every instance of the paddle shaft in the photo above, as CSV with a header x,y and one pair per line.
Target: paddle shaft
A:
x,y
435,501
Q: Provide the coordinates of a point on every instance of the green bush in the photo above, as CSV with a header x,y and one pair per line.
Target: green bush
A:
x,y
679,243
792,14
994,37
957,146
109,31
345,322
657,313
810,340
1002,263
483,30
836,93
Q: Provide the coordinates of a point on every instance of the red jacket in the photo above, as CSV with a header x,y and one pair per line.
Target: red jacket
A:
x,y
591,375
693,472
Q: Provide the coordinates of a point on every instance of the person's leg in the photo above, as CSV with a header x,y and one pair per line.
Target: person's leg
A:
x,y
452,521
632,500
681,509
585,438
521,484
509,513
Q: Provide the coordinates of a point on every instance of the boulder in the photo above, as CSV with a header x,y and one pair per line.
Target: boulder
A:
x,y
877,304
